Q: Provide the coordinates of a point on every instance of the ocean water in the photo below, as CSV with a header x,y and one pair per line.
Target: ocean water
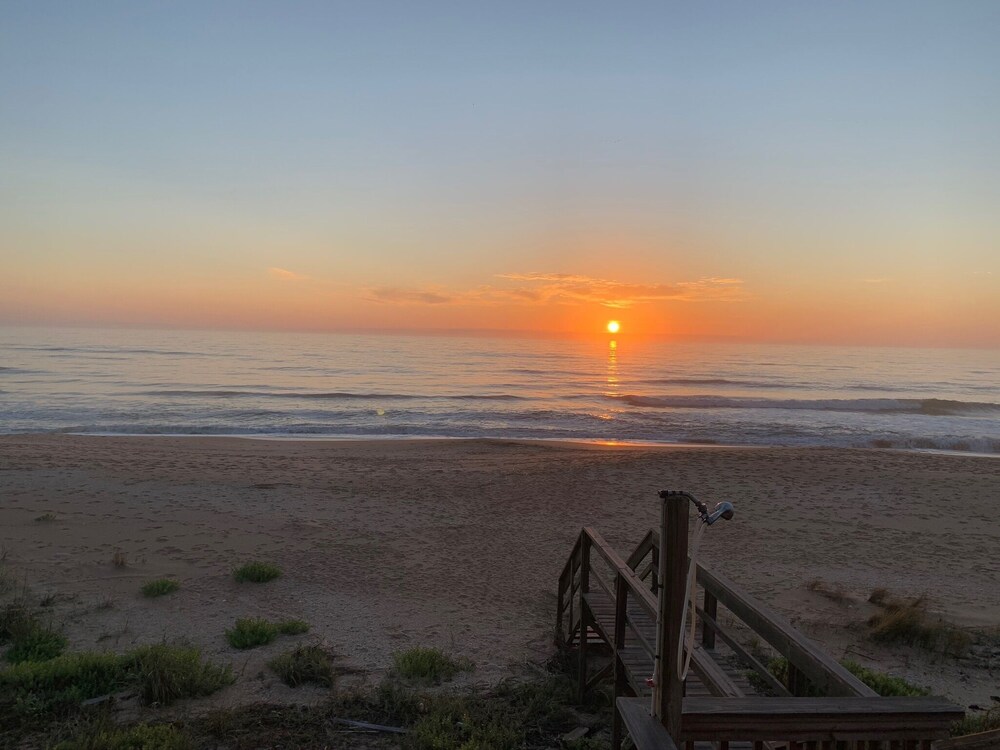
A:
x,y
341,385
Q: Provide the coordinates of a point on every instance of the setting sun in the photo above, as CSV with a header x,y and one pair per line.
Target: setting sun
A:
x,y
613,326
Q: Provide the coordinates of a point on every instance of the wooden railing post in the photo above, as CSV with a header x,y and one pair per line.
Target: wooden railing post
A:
x,y
584,609
621,613
712,610
673,574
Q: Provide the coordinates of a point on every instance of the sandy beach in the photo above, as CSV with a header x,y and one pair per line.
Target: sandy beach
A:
x,y
458,544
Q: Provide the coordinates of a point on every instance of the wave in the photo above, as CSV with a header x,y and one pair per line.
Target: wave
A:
x,y
332,395
928,406
114,350
723,381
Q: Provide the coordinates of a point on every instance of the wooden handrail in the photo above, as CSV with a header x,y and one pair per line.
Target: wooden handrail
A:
x,y
645,597
823,719
826,674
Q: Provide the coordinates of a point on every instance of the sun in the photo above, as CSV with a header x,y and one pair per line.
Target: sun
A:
x,y
614,326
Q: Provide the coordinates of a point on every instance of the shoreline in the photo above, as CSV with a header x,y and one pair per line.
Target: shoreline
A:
x,y
600,442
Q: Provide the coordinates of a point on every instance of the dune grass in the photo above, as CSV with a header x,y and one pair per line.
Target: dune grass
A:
x,y
975,723
29,638
38,692
251,632
159,587
256,572
907,621
304,664
428,665
45,518
166,673
882,683
106,736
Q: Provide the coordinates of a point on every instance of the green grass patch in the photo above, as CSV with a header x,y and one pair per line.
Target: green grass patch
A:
x,y
38,692
160,587
35,642
251,632
304,664
32,691
428,665
292,627
106,736
533,713
29,639
882,683
256,572
976,723
166,673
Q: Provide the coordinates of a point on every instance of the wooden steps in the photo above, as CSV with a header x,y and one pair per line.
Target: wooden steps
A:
x,y
711,678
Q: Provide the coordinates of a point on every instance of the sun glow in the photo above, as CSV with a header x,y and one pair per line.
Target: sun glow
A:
x,y
613,326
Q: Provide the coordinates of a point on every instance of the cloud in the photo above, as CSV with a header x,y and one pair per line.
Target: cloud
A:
x,y
285,275
873,281
399,296
571,288
566,289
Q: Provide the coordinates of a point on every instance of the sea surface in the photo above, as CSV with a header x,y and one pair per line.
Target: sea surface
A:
x,y
344,385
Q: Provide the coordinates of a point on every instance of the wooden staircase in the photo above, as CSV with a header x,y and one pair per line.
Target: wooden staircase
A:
x,y
607,606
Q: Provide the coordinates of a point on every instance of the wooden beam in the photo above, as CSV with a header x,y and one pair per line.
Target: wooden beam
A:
x,y
646,731
709,623
817,719
673,577
821,669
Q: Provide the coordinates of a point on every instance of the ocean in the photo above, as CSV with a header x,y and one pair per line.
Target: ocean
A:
x,y
389,386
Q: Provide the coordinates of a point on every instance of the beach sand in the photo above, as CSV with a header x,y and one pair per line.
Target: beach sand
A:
x,y
459,544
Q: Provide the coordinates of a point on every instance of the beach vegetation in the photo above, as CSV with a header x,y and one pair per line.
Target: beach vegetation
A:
x,y
104,735
29,638
165,673
882,683
39,691
304,664
985,721
160,587
428,665
907,621
45,518
33,641
292,627
119,559
251,632
256,572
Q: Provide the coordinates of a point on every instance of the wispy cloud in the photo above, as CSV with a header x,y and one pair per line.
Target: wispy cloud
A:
x,y
399,296
565,289
285,275
874,281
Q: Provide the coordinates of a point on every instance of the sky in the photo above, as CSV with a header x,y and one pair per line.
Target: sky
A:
x,y
770,171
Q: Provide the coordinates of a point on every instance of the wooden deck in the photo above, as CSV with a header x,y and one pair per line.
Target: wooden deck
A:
x,y
607,608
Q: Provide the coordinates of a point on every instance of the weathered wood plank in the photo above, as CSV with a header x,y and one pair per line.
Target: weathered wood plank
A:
x,y
980,741
709,623
810,719
821,669
646,731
